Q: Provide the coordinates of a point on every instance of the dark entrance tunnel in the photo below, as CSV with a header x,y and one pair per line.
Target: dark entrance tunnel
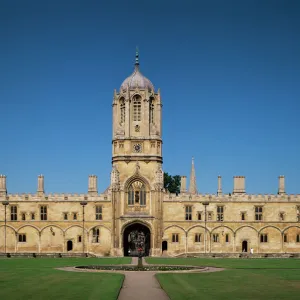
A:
x,y
136,237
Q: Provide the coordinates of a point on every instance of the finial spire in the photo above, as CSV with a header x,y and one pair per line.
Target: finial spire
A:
x,y
193,184
137,57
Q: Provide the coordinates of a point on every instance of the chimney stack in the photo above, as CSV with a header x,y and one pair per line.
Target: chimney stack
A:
x,y
40,189
92,189
3,190
183,184
281,185
238,184
219,186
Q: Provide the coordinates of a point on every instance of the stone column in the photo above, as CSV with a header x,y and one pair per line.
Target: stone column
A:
x,y
3,190
219,186
40,189
183,184
281,185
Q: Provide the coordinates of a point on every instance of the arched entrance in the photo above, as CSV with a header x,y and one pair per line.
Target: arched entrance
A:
x,y
136,236
245,246
164,246
69,245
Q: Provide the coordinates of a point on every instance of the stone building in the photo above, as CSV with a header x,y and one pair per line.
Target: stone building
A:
x,y
135,212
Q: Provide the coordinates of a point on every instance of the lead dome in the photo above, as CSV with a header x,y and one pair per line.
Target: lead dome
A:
x,y
137,79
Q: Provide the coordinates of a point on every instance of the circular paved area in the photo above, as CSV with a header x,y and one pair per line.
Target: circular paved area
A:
x,y
142,284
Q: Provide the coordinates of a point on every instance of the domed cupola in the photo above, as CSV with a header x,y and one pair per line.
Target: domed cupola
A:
x,y
137,79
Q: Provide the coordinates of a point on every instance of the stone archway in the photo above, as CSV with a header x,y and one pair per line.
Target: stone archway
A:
x,y
136,236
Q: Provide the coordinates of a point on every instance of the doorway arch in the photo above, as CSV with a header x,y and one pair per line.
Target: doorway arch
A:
x,y
164,246
244,246
69,245
136,236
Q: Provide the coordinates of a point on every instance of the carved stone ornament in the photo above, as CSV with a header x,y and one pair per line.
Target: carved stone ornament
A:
x,y
115,179
159,178
120,131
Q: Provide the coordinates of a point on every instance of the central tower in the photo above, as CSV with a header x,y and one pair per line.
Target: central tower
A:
x,y
137,176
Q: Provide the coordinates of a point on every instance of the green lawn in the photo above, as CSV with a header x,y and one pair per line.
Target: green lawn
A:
x,y
36,278
244,279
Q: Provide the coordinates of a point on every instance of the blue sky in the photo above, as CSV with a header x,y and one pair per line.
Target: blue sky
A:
x,y
229,74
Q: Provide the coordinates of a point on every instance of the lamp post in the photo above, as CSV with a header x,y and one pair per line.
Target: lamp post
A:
x,y
83,204
5,203
205,204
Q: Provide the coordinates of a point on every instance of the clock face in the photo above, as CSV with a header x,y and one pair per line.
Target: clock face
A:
x,y
137,148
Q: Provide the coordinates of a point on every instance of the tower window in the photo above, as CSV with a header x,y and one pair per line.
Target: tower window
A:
x,y
122,111
152,112
137,107
137,193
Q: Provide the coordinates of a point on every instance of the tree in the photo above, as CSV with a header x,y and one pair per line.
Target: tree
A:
x,y
172,183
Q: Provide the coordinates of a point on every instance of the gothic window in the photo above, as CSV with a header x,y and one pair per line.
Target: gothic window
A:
x,y
23,217
258,213
122,111
285,238
243,216
79,239
199,216
220,213
65,216
175,238
96,234
264,238
74,216
13,213
137,193
197,237
188,212
216,238
151,112
137,107
227,238
130,196
298,238
22,238
32,216
43,213
98,212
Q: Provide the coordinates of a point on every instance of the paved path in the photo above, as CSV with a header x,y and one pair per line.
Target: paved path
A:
x,y
141,285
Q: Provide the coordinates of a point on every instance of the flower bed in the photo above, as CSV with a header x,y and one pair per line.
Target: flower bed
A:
x,y
136,268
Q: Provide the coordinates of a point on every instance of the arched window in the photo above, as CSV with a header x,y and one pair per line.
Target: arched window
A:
x,y
130,196
151,112
137,193
122,111
96,233
137,107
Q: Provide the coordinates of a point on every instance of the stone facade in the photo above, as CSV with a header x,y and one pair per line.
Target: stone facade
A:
x,y
187,223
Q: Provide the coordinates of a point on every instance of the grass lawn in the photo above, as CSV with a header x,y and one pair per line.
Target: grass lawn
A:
x,y
36,278
244,279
